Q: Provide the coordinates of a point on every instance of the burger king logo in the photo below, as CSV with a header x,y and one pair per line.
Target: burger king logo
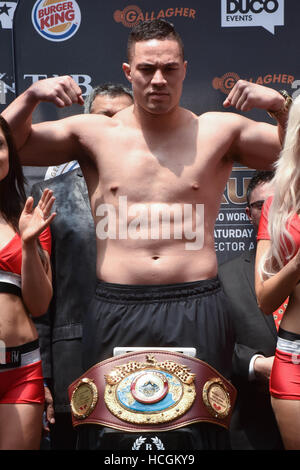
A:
x,y
56,20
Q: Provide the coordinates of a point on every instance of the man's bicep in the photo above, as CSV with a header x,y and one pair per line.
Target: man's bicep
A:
x,y
257,145
49,143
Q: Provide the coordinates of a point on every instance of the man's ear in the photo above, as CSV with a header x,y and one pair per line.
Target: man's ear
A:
x,y
127,71
185,67
248,212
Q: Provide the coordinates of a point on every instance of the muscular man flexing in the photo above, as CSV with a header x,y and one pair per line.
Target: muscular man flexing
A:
x,y
155,174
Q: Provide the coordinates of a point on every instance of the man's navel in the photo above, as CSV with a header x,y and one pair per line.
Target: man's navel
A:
x,y
114,188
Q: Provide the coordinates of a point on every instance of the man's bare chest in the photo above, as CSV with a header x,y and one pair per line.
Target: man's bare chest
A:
x,y
180,166
159,174
142,175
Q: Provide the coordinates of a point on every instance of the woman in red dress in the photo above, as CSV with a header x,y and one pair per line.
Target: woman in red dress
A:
x,y
278,276
25,292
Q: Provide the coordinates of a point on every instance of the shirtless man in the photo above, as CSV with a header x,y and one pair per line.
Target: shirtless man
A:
x,y
146,158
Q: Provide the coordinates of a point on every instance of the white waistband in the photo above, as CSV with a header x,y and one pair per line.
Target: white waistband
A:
x,y
10,278
288,346
27,359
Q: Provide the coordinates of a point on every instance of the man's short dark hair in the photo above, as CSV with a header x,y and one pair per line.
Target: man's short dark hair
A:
x,y
259,177
153,29
112,90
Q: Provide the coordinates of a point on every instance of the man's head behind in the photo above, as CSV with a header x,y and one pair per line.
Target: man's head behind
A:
x,y
259,189
153,29
108,99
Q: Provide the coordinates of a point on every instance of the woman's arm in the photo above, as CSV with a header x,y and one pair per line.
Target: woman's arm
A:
x,y
36,279
272,292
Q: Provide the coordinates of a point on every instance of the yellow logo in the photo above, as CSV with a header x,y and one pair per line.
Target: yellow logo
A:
x,y
229,79
132,14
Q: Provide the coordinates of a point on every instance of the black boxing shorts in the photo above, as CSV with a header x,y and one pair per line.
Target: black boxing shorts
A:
x,y
192,314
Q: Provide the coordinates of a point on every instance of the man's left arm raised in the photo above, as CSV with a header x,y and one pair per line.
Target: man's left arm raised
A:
x,y
257,144
49,142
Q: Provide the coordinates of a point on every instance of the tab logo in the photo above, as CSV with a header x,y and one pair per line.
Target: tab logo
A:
x,y
7,87
56,20
264,13
2,92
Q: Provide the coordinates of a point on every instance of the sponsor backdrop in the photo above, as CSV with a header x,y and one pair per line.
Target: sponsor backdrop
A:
x,y
7,80
224,40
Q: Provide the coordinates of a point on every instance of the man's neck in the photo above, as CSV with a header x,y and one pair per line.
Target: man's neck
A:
x,y
158,122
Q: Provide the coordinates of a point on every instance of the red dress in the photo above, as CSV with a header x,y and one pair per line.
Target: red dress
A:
x,y
21,375
285,375
11,253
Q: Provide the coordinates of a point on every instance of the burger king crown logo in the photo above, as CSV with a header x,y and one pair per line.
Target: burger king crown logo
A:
x,y
56,20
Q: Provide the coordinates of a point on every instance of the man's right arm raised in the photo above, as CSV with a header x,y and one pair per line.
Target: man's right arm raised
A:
x,y
49,142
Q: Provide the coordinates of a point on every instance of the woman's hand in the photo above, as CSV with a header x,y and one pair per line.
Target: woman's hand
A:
x,y
33,221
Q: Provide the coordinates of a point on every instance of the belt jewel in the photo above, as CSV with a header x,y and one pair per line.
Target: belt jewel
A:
x,y
149,392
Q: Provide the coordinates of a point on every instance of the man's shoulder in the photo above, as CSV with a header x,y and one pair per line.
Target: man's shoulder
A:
x,y
224,117
87,123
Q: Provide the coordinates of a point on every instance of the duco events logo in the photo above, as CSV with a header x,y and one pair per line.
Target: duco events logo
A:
x,y
264,13
56,20
228,80
132,14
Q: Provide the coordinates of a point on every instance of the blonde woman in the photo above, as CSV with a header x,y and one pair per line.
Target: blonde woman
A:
x,y
278,276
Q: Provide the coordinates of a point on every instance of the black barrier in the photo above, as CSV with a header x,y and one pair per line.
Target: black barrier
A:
x,y
224,40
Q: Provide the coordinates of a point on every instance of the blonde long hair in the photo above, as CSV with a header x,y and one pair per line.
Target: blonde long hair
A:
x,y
286,200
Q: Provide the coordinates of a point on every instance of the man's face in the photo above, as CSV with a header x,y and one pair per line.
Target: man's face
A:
x,y
156,72
257,198
109,106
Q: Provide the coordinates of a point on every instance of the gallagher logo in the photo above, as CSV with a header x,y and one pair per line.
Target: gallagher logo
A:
x,y
132,14
228,80
56,20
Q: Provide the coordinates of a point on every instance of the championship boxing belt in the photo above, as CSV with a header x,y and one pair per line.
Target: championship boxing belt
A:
x,y
151,391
